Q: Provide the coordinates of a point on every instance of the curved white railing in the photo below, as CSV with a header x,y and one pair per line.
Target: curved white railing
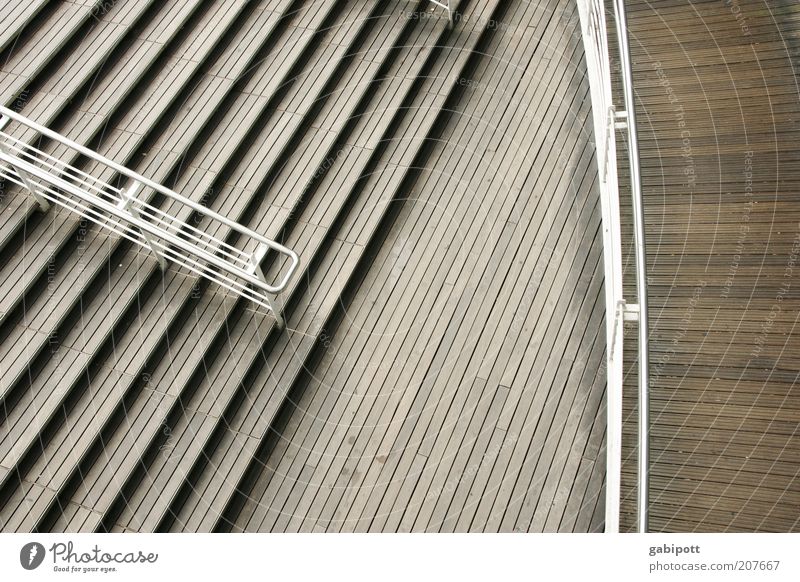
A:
x,y
126,212
606,121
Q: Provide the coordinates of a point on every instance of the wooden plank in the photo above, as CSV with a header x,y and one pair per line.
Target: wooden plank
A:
x,y
29,57
15,17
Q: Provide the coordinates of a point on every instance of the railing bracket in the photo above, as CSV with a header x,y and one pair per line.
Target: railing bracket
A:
x,y
127,199
256,259
630,312
620,120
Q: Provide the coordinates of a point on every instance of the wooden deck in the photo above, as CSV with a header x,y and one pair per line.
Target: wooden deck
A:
x,y
717,96
460,389
441,367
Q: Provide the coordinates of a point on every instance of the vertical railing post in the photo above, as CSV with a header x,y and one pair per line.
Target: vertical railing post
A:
x,y
276,306
44,204
128,197
255,269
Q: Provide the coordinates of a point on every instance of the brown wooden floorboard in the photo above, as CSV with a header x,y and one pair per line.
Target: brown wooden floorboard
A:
x,y
717,105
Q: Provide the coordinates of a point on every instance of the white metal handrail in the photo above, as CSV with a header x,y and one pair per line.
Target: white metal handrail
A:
x,y
606,121
126,212
641,264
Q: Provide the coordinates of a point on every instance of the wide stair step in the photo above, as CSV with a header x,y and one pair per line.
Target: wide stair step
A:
x,y
243,98
270,382
67,392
